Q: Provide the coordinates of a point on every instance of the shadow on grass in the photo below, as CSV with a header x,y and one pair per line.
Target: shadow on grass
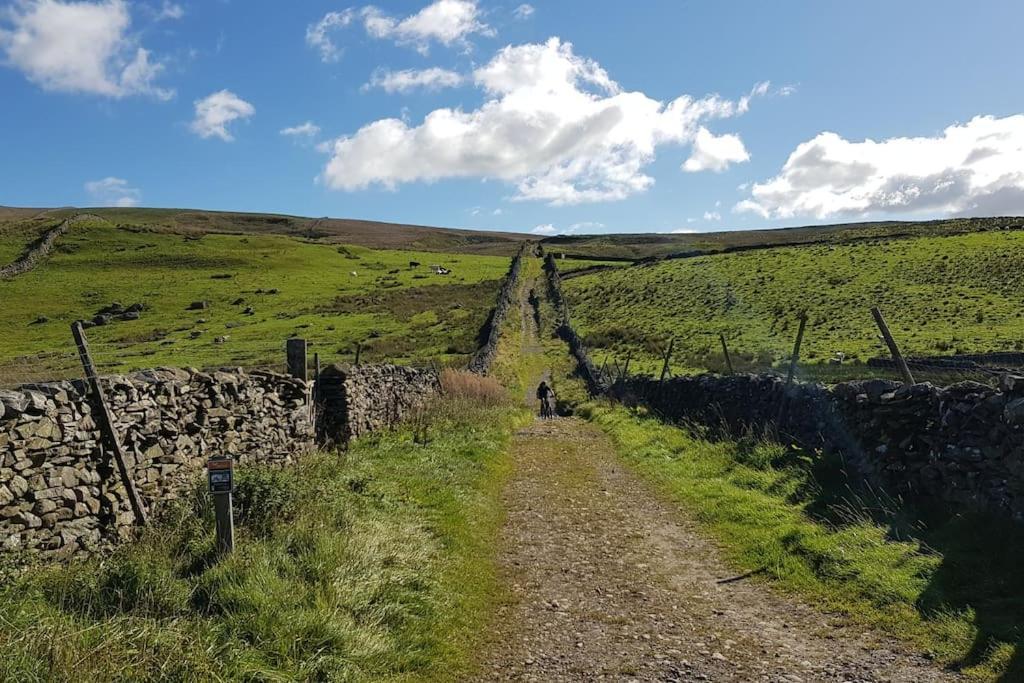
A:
x,y
980,572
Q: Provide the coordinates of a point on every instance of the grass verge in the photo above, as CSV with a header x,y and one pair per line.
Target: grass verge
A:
x,y
951,586
372,565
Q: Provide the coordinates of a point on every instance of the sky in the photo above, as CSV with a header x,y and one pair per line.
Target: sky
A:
x,y
549,117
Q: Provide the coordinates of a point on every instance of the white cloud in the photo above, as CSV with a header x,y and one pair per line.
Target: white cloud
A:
x,y
448,22
524,11
544,229
316,34
583,227
712,216
214,112
684,231
553,124
303,130
113,192
715,152
78,47
496,212
971,168
433,78
170,10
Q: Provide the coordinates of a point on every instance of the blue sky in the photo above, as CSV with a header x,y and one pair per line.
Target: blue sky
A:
x,y
548,116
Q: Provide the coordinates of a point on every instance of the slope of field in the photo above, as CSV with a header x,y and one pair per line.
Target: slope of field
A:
x,y
941,295
373,234
294,288
650,245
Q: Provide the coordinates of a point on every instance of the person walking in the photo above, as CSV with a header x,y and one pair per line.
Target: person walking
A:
x,y
545,395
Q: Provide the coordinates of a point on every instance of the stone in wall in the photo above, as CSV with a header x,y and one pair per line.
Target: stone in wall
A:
x,y
357,400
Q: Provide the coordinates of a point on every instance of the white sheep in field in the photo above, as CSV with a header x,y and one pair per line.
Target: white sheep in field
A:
x,y
354,274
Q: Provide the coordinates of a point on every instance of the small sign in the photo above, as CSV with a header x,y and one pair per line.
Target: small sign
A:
x,y
220,474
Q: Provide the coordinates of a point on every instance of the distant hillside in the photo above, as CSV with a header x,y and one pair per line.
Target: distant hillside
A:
x,y
372,234
942,295
653,245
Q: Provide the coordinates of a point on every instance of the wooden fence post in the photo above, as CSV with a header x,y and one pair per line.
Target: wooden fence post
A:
x,y
297,362
725,351
784,401
897,357
106,423
668,356
796,349
359,348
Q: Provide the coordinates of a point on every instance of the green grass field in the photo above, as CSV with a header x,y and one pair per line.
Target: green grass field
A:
x,y
373,566
940,295
295,287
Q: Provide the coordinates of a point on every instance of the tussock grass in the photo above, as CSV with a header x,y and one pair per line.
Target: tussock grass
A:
x,y
372,565
949,585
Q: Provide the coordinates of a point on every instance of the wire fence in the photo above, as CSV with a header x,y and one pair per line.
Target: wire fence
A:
x,y
668,357
120,358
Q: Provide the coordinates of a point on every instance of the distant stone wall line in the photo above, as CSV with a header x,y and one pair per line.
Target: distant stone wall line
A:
x,y
596,383
41,247
485,355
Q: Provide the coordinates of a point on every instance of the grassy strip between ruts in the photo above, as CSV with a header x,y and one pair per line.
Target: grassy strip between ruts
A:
x,y
950,586
372,565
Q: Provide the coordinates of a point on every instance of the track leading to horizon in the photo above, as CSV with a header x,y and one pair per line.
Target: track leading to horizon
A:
x,y
606,582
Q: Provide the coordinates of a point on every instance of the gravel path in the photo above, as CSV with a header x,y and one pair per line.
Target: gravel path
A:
x,y
609,583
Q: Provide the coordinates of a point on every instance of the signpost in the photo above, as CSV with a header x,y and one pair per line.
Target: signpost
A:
x,y
220,474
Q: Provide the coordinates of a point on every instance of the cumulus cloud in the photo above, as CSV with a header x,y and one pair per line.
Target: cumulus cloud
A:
x,y
303,130
448,22
113,191
524,11
715,152
553,124
214,112
403,81
971,168
712,216
78,47
544,229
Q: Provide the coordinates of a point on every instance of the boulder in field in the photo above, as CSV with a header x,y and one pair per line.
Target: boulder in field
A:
x,y
198,305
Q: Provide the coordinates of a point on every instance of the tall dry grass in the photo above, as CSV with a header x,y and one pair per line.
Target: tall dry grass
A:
x,y
465,385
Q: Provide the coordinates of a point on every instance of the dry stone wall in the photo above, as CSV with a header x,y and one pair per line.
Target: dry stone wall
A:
x,y
484,357
593,378
61,496
356,400
41,248
962,444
